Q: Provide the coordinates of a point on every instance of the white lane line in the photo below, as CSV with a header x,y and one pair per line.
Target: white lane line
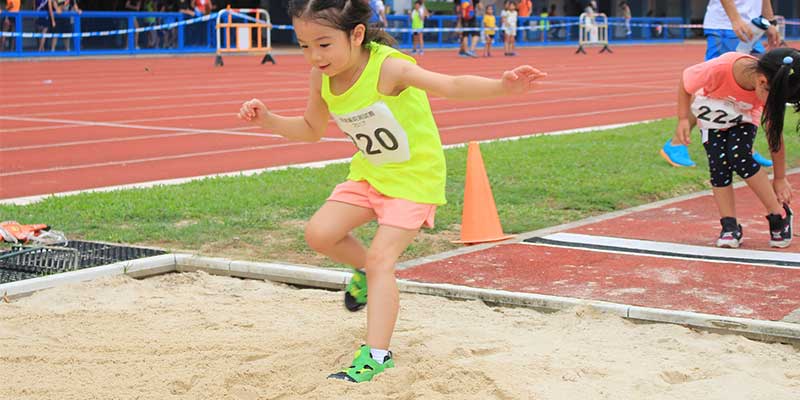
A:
x,y
531,119
143,127
447,128
149,159
151,107
674,250
97,141
104,88
454,109
40,104
180,132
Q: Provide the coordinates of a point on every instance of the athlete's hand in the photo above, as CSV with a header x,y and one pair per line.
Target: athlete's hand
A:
x,y
683,132
254,111
521,79
783,190
742,29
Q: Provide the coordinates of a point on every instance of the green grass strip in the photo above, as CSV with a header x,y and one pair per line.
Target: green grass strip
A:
x,y
537,182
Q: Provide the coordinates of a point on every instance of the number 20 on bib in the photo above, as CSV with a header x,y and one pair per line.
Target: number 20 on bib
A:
x,y
376,133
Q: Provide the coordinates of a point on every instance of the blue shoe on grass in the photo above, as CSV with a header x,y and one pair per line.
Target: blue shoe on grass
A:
x,y
677,155
761,160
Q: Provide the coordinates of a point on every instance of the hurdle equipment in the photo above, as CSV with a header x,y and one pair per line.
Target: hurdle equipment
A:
x,y
593,30
248,24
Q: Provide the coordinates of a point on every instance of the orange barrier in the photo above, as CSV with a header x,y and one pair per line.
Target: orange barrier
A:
x,y
252,33
479,220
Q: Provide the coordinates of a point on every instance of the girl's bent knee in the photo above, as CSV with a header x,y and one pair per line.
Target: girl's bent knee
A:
x,y
317,238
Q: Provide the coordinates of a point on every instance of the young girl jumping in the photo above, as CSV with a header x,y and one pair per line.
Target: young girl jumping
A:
x,y
730,94
378,98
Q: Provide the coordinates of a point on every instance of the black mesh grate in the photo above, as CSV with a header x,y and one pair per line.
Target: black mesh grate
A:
x,y
29,262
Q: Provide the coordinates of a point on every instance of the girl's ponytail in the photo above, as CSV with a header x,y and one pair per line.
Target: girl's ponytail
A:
x,y
781,67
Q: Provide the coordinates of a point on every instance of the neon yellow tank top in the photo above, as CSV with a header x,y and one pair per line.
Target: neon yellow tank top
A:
x,y
400,153
416,20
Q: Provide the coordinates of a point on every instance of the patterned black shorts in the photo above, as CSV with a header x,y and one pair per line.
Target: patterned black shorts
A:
x,y
730,151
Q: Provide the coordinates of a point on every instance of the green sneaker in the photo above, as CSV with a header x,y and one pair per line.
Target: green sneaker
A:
x,y
355,295
364,367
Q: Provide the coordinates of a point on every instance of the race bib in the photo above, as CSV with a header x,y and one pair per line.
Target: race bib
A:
x,y
720,113
376,133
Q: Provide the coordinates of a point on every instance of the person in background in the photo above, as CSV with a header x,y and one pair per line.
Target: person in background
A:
x,y
591,8
524,10
134,6
9,23
152,36
203,7
417,24
378,17
425,12
468,15
185,7
64,25
43,25
509,18
169,35
554,30
625,10
544,24
489,29
726,23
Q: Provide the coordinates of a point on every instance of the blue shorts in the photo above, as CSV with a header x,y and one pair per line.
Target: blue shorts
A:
x,y
721,41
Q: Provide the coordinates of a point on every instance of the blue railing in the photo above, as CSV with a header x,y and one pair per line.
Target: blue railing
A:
x,y
97,32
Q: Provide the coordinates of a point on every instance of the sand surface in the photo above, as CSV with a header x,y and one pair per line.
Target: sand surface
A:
x,y
196,336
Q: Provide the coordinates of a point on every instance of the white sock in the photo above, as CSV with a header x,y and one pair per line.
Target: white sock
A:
x,y
378,355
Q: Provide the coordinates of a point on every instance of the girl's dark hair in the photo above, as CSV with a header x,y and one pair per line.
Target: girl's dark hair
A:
x,y
782,69
343,15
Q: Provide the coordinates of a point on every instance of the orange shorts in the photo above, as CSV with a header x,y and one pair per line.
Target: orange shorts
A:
x,y
399,213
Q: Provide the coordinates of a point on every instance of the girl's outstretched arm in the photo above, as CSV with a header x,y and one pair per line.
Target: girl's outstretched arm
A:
x,y
783,190
308,128
399,74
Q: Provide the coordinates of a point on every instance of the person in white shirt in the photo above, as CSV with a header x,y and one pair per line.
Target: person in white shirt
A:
x,y
509,21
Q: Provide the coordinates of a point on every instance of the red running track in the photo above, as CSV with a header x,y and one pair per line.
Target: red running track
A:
x,y
79,123
740,283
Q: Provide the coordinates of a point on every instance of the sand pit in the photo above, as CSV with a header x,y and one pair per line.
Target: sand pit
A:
x,y
196,336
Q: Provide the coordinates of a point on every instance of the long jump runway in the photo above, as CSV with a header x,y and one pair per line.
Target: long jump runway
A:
x,y
658,257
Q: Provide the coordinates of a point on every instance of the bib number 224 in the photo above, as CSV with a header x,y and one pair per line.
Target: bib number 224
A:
x,y
718,116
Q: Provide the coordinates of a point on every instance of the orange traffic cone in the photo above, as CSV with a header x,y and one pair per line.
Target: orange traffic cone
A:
x,y
479,220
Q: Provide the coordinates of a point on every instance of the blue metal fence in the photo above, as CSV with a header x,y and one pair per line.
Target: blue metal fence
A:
x,y
97,32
